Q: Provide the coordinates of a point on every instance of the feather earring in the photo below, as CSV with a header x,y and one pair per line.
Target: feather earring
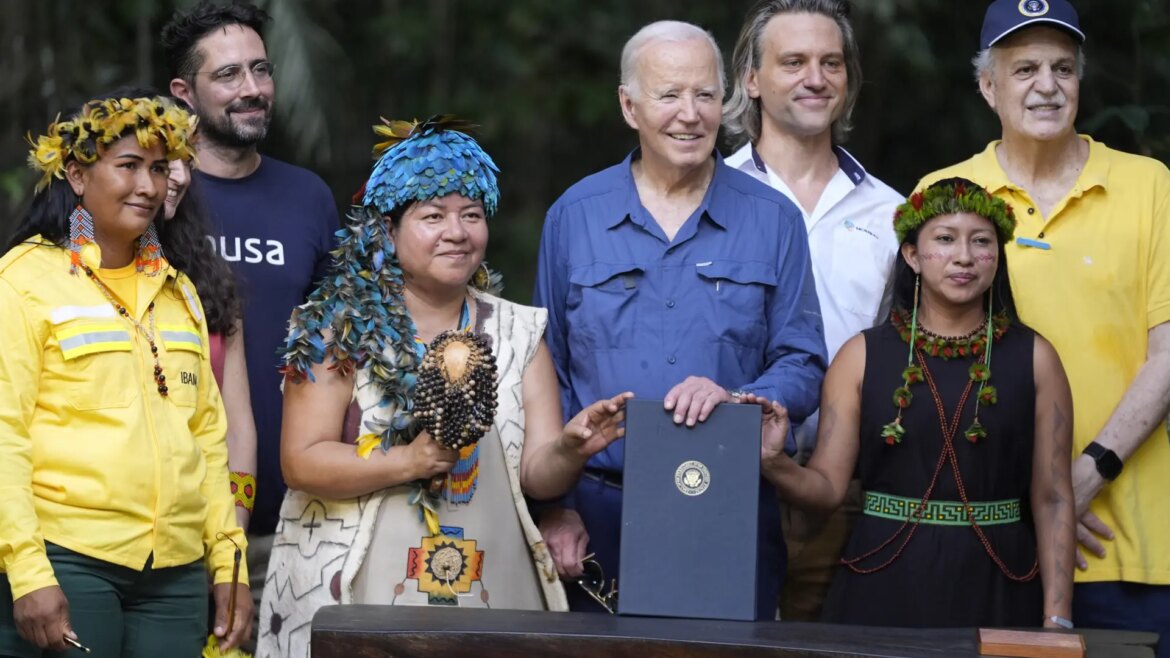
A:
x,y
80,234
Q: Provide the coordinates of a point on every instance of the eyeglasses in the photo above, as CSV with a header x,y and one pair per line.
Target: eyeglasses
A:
x,y
593,582
233,75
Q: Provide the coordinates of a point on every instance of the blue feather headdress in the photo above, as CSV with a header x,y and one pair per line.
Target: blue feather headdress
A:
x,y
359,304
428,160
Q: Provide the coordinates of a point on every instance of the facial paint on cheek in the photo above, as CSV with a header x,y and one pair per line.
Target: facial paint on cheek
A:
x,y
931,255
985,259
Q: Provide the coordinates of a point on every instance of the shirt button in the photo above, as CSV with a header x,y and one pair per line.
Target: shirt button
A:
x,y
670,303
671,360
1031,211
1041,234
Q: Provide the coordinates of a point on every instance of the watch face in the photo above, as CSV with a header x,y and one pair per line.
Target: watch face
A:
x,y
1109,465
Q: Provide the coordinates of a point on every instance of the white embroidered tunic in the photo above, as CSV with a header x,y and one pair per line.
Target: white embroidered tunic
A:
x,y
322,545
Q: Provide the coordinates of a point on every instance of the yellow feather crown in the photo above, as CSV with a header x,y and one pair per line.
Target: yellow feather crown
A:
x,y
103,122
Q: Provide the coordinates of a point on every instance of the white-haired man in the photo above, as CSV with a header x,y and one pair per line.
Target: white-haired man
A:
x,y
675,277
1090,270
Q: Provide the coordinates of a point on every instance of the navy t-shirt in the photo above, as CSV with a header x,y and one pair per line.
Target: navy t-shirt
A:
x,y
275,229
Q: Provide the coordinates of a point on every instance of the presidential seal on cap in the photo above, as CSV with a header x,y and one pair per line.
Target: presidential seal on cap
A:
x,y
1005,17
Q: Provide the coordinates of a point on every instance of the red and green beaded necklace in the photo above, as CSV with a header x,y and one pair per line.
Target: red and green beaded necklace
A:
x,y
977,344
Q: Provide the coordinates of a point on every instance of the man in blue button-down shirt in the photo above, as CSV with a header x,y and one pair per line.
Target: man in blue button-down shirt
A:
x,y
675,277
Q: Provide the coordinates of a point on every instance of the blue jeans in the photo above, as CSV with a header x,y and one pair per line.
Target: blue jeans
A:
x,y
117,611
1125,606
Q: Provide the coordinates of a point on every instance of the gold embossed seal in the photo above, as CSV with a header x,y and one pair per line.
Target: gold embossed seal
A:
x,y
692,478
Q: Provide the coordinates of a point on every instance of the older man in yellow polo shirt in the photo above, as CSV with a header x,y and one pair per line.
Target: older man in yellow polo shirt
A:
x,y
1090,269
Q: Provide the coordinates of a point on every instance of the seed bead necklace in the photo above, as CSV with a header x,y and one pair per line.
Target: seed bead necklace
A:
x,y
969,336
160,379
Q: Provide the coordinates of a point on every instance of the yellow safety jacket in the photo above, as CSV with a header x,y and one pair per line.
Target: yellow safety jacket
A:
x,y
92,457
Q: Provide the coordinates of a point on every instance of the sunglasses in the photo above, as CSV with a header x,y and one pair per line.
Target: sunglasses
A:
x,y
593,582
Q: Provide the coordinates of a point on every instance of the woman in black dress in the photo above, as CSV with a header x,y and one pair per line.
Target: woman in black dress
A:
x,y
962,448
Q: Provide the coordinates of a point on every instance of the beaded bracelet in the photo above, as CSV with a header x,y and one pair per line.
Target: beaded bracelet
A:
x,y
243,488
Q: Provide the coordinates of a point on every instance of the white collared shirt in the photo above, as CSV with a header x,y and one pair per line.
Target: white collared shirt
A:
x,y
851,239
852,242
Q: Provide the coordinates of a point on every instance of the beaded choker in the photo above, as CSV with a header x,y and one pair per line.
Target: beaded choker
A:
x,y
948,347
967,336
160,379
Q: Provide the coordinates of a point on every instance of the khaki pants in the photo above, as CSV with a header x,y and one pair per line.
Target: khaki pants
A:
x,y
815,543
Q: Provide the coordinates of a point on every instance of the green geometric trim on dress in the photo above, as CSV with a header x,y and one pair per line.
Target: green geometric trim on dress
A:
x,y
941,512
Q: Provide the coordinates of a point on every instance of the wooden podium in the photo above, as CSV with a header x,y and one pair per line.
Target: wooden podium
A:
x,y
367,631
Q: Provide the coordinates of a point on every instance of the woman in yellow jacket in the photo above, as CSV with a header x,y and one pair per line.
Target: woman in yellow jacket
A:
x,y
113,466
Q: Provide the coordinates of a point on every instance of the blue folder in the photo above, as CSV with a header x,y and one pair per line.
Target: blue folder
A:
x,y
690,503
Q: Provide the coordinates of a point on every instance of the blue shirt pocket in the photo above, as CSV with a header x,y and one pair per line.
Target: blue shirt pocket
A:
x,y
601,304
734,300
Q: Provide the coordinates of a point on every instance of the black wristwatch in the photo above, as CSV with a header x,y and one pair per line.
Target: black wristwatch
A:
x,y
1108,463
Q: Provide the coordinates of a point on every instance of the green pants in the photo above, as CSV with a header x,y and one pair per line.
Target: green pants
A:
x,y
117,611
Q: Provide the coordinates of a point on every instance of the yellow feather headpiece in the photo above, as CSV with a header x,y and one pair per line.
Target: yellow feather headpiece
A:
x,y
398,131
103,122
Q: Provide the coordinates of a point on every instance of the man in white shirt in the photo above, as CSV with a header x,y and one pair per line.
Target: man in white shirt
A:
x,y
797,75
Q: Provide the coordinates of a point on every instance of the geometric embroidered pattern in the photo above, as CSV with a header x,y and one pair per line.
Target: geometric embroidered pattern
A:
x,y
445,566
941,512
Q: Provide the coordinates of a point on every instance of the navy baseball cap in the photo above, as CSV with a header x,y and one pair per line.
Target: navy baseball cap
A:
x,y
1007,16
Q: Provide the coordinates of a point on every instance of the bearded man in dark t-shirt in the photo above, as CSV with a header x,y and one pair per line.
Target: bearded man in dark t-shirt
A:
x,y
271,221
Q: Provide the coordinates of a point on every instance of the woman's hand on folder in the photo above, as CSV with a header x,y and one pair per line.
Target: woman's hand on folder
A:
x,y
774,430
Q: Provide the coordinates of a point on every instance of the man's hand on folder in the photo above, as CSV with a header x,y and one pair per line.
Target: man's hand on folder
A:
x,y
694,399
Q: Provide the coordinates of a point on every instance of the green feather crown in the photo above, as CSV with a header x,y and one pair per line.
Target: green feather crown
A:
x,y
950,197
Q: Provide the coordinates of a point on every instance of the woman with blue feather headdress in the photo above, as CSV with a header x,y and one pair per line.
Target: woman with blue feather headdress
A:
x,y
420,408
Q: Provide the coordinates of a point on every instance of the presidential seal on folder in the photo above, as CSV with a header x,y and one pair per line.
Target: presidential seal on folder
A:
x,y
690,503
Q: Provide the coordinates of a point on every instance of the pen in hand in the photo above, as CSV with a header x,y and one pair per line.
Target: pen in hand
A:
x,y
70,641
231,613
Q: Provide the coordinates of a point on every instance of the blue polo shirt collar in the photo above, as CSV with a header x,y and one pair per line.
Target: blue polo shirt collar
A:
x,y
714,206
